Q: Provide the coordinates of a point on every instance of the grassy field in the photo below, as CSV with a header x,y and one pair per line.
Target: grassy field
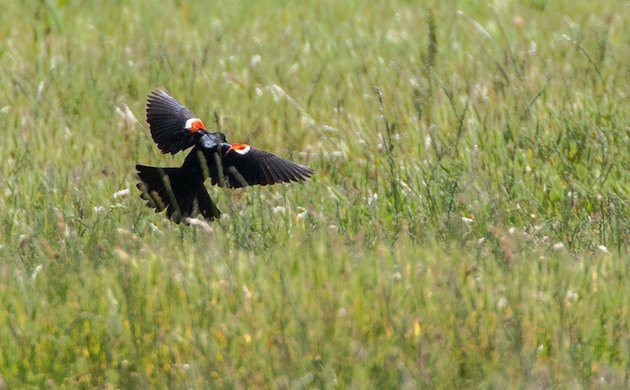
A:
x,y
468,225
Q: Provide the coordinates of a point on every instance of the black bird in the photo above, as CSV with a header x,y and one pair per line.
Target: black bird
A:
x,y
181,190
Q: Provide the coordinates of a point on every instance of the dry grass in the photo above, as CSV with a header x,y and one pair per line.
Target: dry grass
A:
x,y
468,225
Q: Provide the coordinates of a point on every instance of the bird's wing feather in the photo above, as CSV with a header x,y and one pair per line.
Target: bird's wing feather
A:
x,y
258,167
167,120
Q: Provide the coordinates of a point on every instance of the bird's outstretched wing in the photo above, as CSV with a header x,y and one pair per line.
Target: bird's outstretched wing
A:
x,y
173,126
244,166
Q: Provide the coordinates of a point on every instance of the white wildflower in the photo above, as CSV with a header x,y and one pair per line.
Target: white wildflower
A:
x,y
427,141
603,249
121,193
256,59
154,228
201,223
279,209
372,199
572,296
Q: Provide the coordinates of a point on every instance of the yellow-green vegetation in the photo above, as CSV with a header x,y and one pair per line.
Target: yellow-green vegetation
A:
x,y
468,224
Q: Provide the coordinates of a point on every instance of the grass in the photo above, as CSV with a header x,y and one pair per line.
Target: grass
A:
x,y
468,225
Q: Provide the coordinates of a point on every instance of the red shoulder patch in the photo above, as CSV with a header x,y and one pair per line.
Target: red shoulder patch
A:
x,y
194,125
241,149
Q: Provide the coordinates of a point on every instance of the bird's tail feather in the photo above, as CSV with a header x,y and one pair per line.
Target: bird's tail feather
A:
x,y
177,191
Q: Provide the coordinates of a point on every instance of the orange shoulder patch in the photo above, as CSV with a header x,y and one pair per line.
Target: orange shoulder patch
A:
x,y
194,125
239,148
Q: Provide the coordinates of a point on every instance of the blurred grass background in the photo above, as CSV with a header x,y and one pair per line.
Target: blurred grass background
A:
x,y
468,224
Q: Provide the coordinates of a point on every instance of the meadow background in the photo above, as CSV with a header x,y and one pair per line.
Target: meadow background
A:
x,y
468,225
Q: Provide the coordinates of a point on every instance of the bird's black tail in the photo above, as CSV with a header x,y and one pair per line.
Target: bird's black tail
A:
x,y
178,191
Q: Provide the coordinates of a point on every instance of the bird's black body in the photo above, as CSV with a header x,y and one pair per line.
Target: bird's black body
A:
x,y
181,190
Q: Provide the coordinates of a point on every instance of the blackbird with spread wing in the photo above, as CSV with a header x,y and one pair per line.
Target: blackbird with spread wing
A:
x,y
181,190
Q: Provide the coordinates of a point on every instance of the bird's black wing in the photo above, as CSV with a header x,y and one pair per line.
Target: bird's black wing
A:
x,y
173,126
256,166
